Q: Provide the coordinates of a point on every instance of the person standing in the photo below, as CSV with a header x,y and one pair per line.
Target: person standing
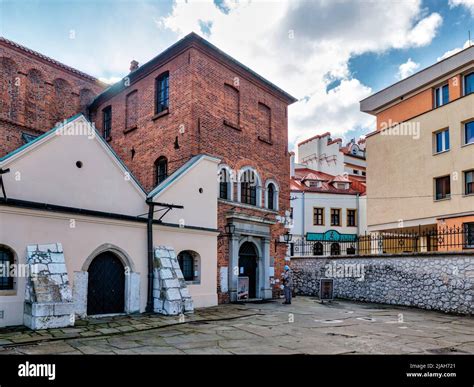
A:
x,y
287,280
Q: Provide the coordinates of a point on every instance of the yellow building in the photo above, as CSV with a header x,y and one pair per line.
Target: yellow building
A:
x,y
420,158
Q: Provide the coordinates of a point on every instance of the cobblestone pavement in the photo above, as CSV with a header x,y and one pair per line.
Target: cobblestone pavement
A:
x,y
306,326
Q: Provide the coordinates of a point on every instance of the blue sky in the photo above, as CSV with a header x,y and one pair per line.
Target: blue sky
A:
x,y
330,54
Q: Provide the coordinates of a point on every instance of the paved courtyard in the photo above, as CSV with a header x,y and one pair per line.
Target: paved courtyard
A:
x,y
305,327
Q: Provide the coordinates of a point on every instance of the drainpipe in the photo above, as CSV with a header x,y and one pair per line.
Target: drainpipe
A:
x,y
357,211
149,229
303,217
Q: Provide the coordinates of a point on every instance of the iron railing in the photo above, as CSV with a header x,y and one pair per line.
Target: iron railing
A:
x,y
436,240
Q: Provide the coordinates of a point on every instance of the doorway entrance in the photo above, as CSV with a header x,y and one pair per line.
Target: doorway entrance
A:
x,y
248,259
106,285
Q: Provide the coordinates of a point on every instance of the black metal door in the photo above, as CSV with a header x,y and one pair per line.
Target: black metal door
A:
x,y
106,285
248,266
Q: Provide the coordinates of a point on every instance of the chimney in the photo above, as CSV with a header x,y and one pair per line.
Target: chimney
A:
x,y
133,65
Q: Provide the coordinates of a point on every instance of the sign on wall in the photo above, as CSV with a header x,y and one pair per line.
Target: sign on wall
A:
x,y
242,288
330,236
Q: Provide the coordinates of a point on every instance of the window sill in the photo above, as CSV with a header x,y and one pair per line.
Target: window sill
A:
x,y
442,200
265,140
249,206
467,144
193,282
7,293
233,126
442,152
468,195
160,114
128,130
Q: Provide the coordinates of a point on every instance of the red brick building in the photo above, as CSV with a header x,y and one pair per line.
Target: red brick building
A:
x,y
192,99
36,92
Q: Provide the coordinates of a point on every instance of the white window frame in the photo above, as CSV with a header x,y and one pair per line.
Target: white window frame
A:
x,y
443,139
276,195
441,102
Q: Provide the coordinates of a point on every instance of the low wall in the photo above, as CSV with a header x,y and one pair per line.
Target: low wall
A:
x,y
442,282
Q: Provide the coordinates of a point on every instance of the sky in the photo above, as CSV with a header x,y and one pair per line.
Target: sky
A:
x,y
329,54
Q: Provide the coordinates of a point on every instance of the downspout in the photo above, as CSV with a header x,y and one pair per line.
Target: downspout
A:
x,y
149,229
303,217
357,211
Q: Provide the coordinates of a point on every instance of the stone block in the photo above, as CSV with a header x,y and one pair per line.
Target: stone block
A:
x,y
188,306
64,308
166,274
185,293
173,295
172,308
171,283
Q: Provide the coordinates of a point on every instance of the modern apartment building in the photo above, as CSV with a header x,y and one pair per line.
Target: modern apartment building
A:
x,y
420,158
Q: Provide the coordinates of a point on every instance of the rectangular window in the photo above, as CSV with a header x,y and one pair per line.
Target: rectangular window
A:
x,y
469,132
469,235
162,93
318,216
441,140
469,182
441,95
469,84
232,106
107,121
131,107
442,187
264,122
351,218
248,193
335,216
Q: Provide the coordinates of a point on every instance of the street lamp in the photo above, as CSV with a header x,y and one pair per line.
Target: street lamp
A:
x,y
287,237
229,229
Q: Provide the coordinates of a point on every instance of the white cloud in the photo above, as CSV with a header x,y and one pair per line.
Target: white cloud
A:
x,y
454,50
109,80
469,4
406,69
305,46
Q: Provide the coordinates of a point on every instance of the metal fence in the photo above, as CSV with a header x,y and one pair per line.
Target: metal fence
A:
x,y
437,240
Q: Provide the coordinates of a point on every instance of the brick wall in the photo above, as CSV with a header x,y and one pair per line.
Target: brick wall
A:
x,y
195,124
36,92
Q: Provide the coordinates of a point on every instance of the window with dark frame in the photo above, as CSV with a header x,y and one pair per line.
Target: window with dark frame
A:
x,y
248,193
161,169
318,248
186,263
162,93
442,187
232,106
107,121
224,183
351,218
469,182
6,259
271,196
318,216
335,249
335,216
469,235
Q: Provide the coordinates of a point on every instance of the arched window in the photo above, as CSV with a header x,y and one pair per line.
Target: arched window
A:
x,y
62,107
249,187
35,108
189,263
9,89
225,184
318,249
271,195
161,169
6,259
335,249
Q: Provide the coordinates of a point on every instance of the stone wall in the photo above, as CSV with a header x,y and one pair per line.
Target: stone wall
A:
x,y
442,282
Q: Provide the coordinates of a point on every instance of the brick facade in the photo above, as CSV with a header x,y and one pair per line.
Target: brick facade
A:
x,y
36,92
198,122
216,106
